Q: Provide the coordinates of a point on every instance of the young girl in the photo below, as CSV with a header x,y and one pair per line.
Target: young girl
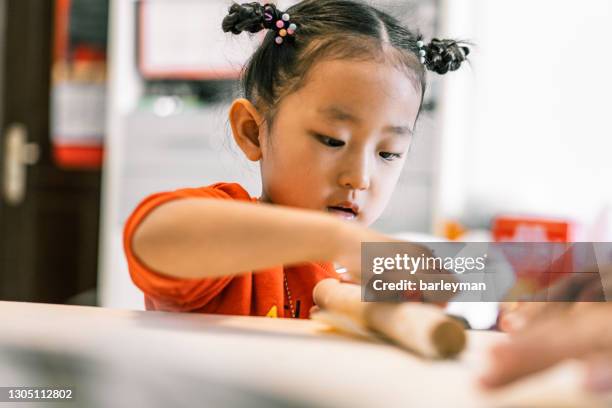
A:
x,y
330,102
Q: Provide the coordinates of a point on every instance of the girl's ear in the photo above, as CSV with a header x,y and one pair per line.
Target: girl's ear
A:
x,y
246,122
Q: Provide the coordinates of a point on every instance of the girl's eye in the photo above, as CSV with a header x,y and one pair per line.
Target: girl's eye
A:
x,y
330,141
390,156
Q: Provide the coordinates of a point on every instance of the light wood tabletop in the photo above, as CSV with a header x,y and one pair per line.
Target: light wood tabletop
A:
x,y
297,360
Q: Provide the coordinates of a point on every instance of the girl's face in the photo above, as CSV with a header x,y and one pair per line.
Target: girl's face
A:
x,y
339,143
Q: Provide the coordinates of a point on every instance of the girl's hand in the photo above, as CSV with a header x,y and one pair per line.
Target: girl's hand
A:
x,y
350,255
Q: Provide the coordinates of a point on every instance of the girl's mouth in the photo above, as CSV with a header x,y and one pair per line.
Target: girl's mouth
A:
x,y
345,213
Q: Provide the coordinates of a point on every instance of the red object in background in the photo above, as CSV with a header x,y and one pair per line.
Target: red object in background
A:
x,y
530,229
78,157
536,266
78,98
83,53
60,32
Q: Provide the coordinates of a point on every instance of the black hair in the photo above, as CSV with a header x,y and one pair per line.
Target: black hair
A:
x,y
340,29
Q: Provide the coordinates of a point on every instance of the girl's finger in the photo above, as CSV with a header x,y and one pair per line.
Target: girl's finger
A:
x,y
314,309
348,278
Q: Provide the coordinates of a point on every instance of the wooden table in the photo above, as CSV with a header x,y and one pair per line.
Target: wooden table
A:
x,y
296,360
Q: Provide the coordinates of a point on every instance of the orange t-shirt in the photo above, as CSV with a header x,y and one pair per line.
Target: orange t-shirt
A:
x,y
251,293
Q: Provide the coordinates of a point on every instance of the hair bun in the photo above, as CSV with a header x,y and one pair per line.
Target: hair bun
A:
x,y
445,55
244,17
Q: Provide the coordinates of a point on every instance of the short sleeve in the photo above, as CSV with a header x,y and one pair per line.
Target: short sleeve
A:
x,y
166,292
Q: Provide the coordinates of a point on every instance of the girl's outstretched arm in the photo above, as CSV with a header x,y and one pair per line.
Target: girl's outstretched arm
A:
x,y
207,238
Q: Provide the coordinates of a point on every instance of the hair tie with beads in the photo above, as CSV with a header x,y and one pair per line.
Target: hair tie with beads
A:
x,y
442,56
254,17
422,52
280,22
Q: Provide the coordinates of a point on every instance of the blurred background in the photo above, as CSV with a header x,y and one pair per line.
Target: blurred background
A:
x,y
104,102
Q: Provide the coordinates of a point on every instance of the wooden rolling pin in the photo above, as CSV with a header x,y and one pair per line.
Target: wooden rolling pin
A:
x,y
421,328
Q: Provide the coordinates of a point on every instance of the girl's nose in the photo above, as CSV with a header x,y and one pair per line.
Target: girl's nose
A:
x,y
356,176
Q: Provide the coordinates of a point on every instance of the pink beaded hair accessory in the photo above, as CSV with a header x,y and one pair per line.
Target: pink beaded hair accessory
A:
x,y
283,25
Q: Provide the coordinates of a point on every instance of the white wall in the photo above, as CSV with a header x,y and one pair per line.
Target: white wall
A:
x,y
527,128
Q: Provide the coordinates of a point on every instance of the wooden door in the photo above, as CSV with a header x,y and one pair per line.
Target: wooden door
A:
x,y
49,236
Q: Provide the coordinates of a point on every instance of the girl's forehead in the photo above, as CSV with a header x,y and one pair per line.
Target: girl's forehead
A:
x,y
358,90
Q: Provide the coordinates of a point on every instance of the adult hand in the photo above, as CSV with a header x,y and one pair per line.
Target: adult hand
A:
x,y
583,331
592,284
